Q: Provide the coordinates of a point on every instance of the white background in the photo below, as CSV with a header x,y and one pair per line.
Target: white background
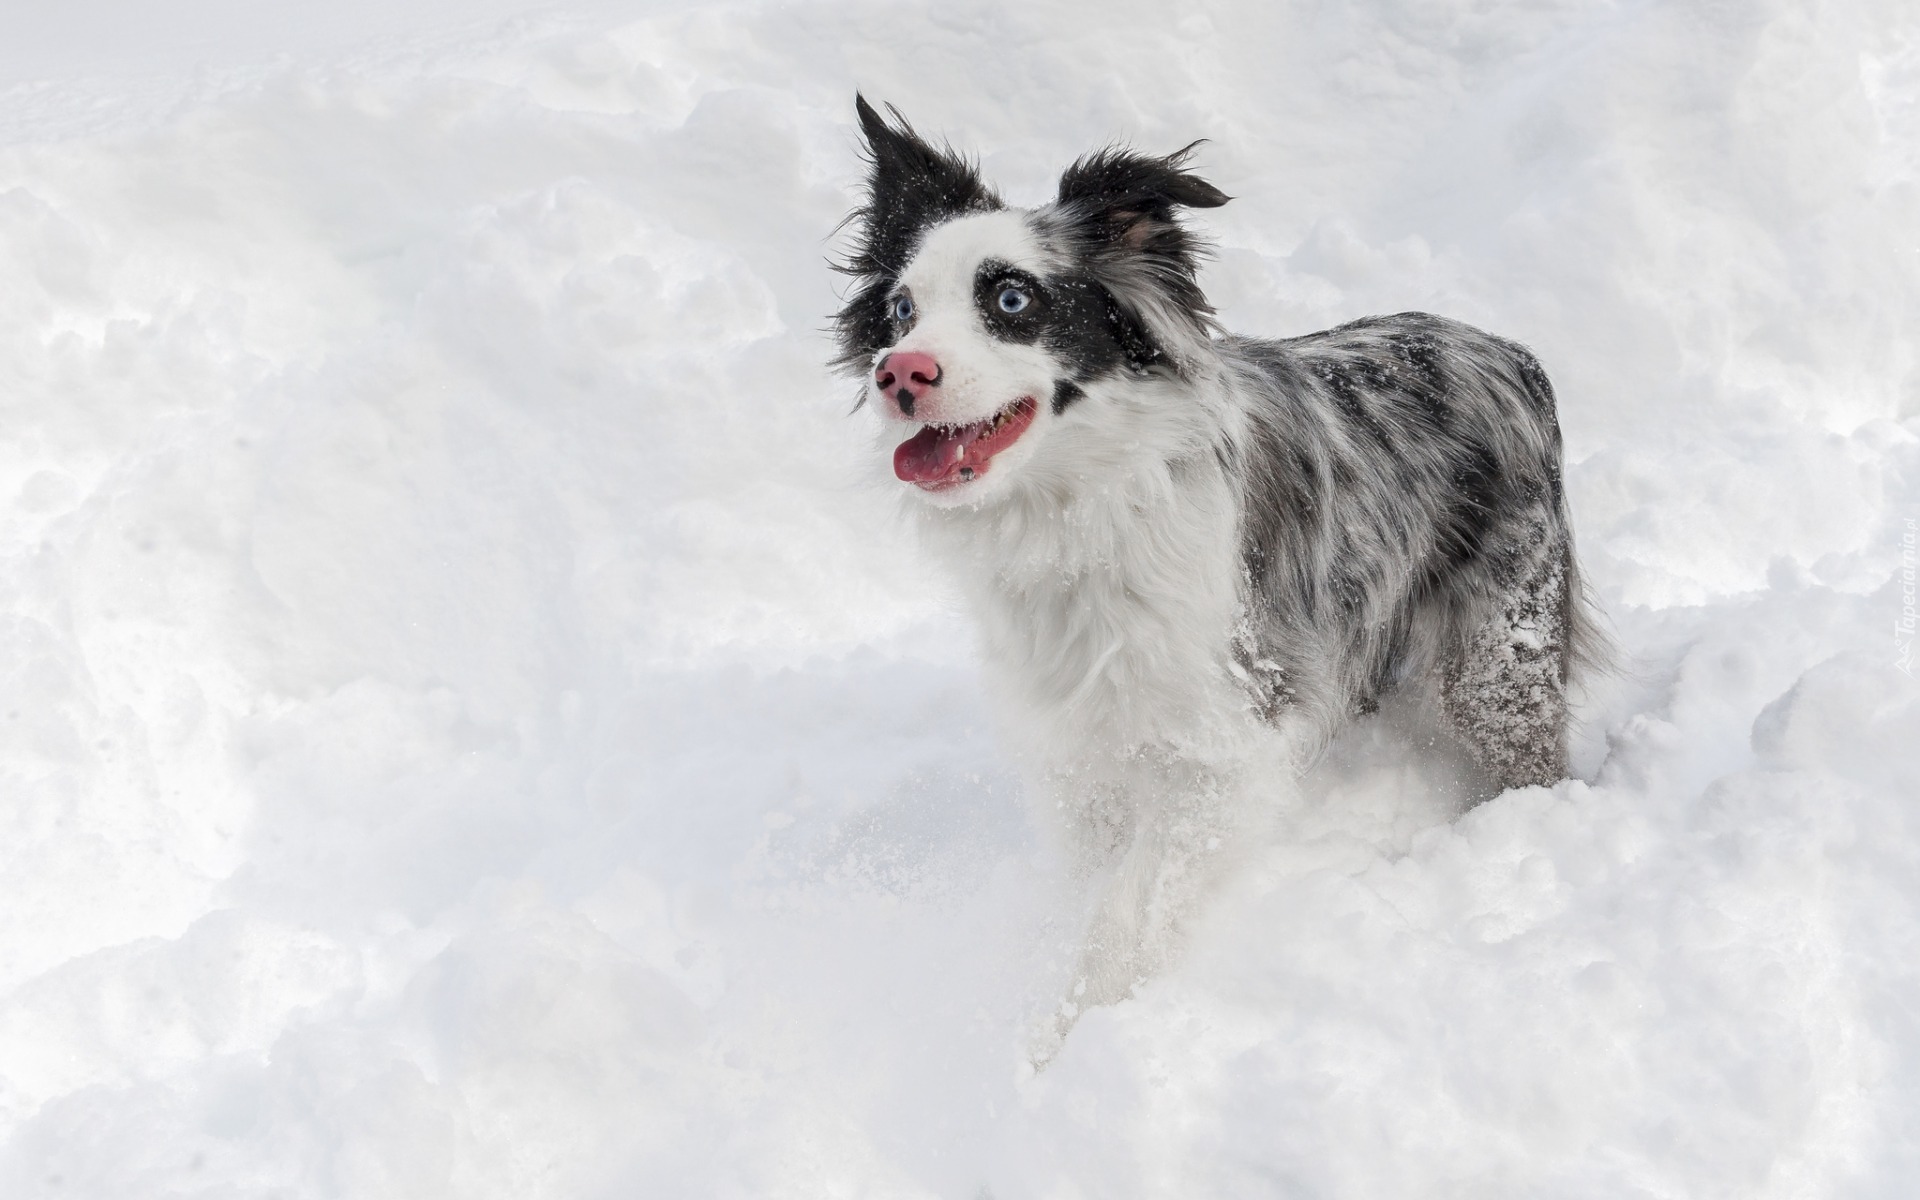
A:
x,y
470,726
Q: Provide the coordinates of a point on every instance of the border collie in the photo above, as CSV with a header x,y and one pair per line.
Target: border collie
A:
x,y
1179,542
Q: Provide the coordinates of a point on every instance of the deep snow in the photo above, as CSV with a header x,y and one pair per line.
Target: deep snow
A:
x,y
470,727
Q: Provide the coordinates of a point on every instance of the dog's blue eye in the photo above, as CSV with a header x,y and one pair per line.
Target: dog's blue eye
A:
x,y
903,309
1014,300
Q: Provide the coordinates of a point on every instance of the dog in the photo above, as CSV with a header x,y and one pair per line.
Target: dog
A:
x,y
1181,544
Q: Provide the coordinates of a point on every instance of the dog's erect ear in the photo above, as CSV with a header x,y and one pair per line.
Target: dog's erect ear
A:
x,y
1121,207
1133,196
911,184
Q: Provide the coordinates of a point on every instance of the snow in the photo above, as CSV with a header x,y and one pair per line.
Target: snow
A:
x,y
471,727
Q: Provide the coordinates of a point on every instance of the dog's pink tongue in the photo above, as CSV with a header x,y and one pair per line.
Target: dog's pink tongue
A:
x,y
934,453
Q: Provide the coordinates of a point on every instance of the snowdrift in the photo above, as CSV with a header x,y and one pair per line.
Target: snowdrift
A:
x,y
468,726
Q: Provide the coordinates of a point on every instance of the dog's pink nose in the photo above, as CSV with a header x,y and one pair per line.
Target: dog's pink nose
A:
x,y
906,376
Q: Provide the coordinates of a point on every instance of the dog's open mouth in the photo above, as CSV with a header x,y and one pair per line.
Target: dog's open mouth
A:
x,y
944,456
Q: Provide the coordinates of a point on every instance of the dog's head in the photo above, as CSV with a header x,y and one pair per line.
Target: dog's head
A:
x,y
982,329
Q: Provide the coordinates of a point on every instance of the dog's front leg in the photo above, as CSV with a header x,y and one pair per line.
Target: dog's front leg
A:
x,y
1127,939
1152,864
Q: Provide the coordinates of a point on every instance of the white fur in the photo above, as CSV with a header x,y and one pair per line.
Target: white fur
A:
x,y
1100,556
981,375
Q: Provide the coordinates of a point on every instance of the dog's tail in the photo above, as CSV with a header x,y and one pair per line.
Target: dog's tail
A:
x,y
1591,649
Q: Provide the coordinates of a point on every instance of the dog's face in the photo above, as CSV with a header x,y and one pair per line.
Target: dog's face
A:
x,y
980,328
969,380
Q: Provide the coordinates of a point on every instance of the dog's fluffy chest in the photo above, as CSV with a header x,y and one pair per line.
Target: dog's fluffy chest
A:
x,y
1108,616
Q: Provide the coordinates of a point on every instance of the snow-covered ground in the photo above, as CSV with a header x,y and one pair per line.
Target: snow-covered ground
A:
x,y
467,730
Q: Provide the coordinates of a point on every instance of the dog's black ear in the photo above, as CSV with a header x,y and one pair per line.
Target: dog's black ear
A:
x,y
911,185
1132,197
1121,207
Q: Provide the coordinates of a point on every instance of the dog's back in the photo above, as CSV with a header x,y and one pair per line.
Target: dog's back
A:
x,y
1403,518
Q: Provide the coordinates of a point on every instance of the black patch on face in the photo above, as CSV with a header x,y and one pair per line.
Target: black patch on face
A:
x,y
1072,317
911,186
1086,330
995,278
1119,211
1135,342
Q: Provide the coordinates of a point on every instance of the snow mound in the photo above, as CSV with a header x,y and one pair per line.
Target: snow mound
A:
x,y
470,727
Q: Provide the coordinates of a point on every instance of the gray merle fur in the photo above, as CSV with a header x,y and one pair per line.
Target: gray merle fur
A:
x,y
1403,517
